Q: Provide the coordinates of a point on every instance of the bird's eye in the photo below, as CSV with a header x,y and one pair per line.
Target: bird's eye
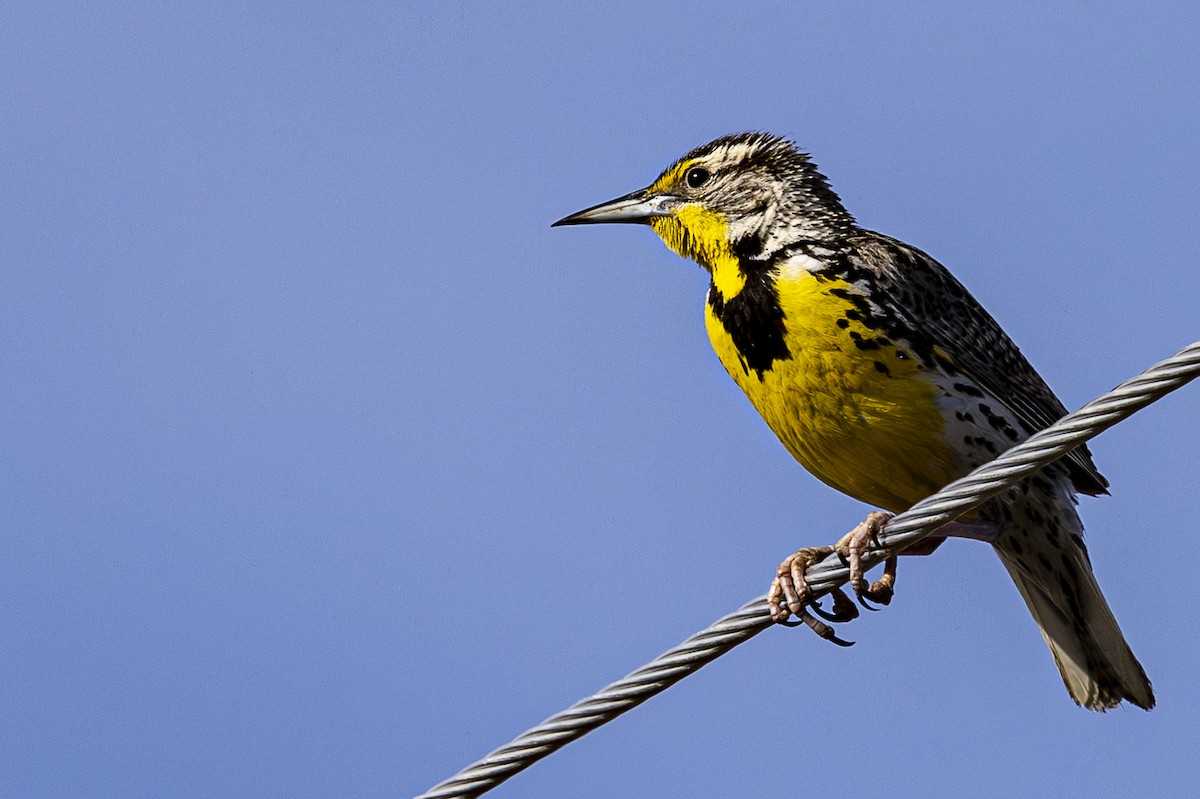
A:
x,y
696,177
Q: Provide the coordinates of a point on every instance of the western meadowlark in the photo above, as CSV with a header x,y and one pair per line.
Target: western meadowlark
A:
x,y
885,379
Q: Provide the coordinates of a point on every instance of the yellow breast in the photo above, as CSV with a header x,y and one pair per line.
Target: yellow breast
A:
x,y
863,419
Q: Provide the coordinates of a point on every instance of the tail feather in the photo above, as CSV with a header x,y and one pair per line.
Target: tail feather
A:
x,y
1096,663
1051,569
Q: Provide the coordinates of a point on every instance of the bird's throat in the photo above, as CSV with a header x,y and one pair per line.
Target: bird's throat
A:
x,y
702,235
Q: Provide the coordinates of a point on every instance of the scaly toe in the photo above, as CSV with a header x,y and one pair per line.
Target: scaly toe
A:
x,y
883,589
822,629
789,591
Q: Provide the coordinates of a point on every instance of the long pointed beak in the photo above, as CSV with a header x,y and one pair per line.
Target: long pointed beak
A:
x,y
639,207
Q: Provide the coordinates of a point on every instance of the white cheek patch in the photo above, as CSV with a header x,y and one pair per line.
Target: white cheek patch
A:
x,y
743,228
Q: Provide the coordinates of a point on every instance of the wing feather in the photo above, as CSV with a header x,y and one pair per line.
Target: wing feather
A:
x,y
966,335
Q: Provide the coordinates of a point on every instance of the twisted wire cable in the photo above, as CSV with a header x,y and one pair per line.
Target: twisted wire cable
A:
x,y
752,618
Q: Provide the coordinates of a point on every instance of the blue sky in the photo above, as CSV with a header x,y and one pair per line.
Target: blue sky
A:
x,y
329,466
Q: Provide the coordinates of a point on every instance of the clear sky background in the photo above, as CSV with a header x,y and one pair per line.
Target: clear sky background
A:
x,y
328,466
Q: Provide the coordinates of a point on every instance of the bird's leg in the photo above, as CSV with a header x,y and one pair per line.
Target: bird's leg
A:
x,y
852,546
988,532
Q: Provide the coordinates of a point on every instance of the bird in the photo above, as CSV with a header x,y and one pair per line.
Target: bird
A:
x,y
882,375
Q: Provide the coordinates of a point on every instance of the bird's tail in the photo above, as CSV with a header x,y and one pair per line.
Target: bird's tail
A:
x,y
1043,551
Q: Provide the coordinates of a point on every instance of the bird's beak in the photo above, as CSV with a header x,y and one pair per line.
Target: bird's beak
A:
x,y
637,208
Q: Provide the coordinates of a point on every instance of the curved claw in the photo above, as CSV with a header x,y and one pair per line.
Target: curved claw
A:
x,y
816,608
819,627
863,596
843,609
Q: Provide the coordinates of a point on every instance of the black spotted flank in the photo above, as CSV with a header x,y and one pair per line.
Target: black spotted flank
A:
x,y
889,320
968,389
864,343
754,320
998,423
980,441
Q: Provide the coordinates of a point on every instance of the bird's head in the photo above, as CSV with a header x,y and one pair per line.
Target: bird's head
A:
x,y
741,196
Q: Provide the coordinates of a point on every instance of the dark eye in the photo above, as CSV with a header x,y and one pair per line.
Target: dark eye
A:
x,y
696,177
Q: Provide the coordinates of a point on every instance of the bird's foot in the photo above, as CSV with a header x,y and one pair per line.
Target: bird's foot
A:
x,y
851,548
790,596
